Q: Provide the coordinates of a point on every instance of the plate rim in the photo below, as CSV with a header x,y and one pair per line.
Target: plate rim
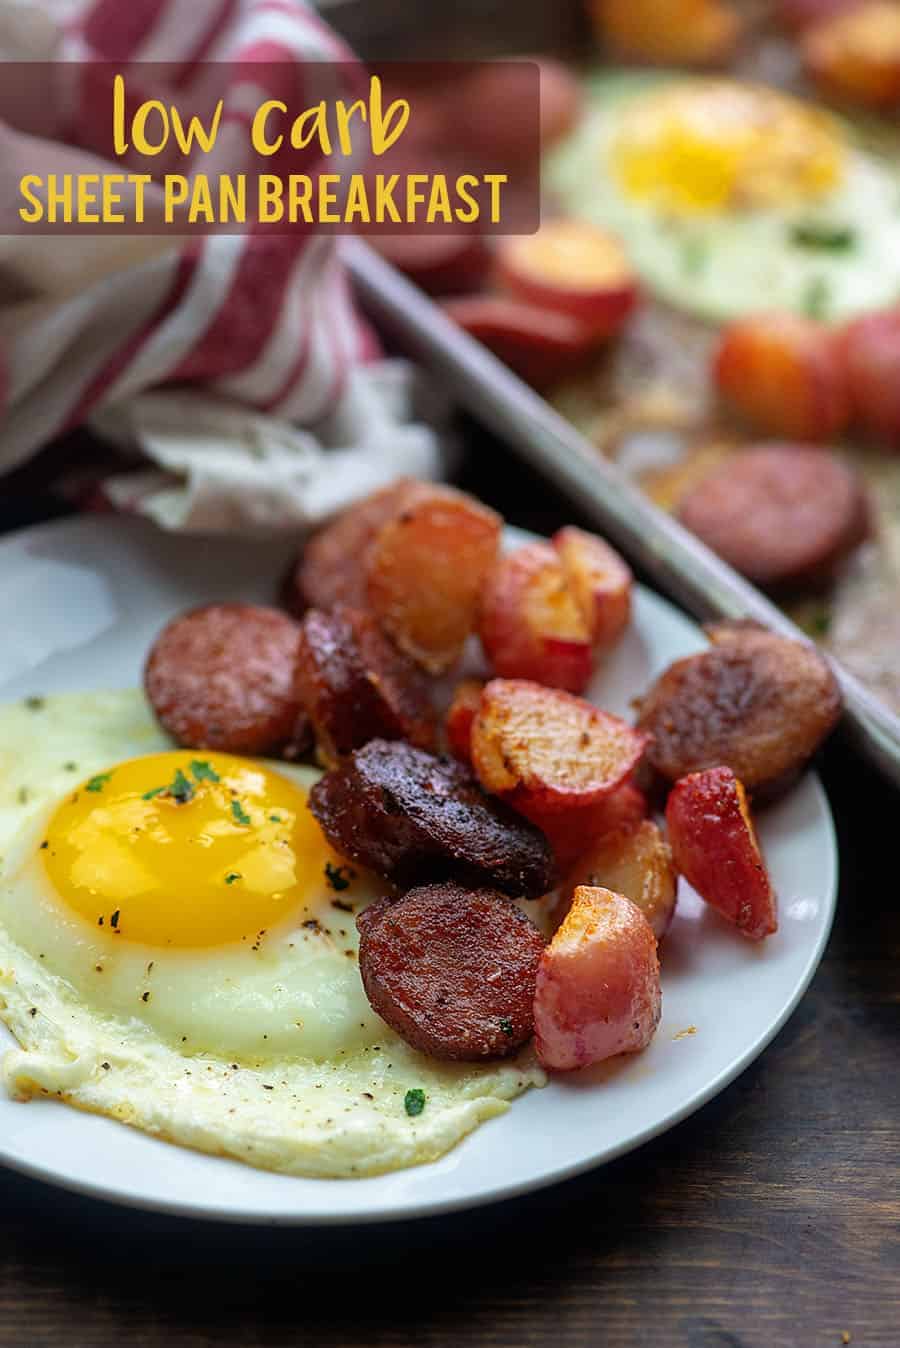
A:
x,y
414,1210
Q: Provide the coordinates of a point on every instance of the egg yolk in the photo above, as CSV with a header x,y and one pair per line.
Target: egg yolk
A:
x,y
713,145
182,849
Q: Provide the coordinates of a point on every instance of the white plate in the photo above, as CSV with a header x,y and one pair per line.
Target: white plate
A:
x,y
79,602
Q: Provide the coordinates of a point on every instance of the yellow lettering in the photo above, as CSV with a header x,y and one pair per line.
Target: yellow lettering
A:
x,y
233,199
357,205
439,201
201,203
463,183
120,144
26,186
495,181
317,117
196,131
175,194
112,198
385,206
139,181
415,197
382,133
87,198
258,127
59,197
300,193
328,199
139,127
271,205
344,117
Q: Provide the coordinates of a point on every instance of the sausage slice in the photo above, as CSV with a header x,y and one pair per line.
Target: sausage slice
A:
x,y
785,516
755,702
453,971
222,677
357,686
413,817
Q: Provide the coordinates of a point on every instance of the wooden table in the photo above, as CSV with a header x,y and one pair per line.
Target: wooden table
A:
x,y
769,1219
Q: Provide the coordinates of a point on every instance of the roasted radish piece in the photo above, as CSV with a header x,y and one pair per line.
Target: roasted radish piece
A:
x,y
425,571
574,268
539,345
755,702
598,991
667,32
872,352
636,862
785,376
715,848
460,715
543,749
785,516
330,569
856,54
530,625
356,686
574,831
599,581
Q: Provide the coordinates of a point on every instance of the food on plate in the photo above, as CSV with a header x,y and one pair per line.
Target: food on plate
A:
x,y
855,54
416,554
785,374
222,677
572,267
460,715
441,264
677,32
872,354
600,582
598,990
574,830
799,14
635,861
785,516
452,970
355,685
530,624
755,702
494,108
425,569
735,198
415,818
219,1003
715,848
330,568
540,345
544,749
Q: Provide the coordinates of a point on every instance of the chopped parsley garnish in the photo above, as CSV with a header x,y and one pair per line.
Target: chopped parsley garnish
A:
x,y
275,818
820,234
506,1025
819,623
70,766
203,772
240,814
817,298
35,703
97,783
414,1102
181,789
114,920
154,791
339,877
232,876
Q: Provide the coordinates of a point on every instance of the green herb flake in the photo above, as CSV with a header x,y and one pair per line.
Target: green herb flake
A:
x,y
181,789
414,1102
506,1025
820,234
275,818
154,791
35,703
817,298
203,772
339,877
97,783
240,814
232,876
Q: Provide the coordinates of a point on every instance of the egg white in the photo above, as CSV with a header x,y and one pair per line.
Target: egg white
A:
x,y
269,1055
723,265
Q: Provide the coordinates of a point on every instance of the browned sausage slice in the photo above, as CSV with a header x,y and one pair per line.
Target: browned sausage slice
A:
x,y
413,817
330,568
755,702
356,686
785,516
452,970
222,677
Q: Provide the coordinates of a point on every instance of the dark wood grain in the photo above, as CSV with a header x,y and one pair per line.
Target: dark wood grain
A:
x,y
771,1218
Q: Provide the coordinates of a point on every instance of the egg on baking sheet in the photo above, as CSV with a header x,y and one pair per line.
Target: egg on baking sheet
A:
x,y
733,198
178,950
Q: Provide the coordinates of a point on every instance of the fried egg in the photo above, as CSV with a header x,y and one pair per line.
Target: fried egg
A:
x,y
734,198
178,950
